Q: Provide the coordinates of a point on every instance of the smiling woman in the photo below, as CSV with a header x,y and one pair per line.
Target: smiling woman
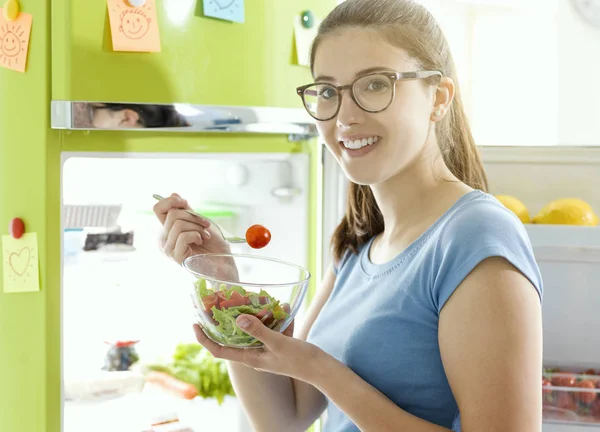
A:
x,y
435,288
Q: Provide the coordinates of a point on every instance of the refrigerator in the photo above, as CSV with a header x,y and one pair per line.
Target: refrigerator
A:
x,y
231,136
242,151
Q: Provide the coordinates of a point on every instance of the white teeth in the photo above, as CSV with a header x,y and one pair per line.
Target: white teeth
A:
x,y
356,144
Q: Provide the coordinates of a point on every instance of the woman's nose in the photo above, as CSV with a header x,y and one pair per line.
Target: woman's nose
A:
x,y
349,112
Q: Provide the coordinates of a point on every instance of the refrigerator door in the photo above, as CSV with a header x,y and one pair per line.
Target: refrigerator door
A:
x,y
203,60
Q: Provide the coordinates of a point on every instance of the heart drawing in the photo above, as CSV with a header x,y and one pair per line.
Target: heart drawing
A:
x,y
224,4
20,261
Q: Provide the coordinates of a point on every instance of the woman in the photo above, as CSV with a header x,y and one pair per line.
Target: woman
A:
x,y
430,319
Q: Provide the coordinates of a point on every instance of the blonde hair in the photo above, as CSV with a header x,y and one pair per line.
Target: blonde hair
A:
x,y
408,25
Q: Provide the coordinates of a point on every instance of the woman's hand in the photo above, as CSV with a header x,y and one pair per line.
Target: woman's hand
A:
x,y
184,234
281,354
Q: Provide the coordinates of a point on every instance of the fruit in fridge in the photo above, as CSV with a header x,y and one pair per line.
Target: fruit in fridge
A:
x,y
567,211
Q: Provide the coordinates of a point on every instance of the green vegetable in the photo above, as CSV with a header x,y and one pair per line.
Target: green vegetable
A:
x,y
202,290
191,363
226,330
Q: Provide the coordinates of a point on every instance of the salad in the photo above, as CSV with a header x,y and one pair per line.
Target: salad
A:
x,y
224,305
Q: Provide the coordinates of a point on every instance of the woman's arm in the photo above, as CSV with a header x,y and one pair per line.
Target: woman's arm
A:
x,y
490,337
271,399
491,344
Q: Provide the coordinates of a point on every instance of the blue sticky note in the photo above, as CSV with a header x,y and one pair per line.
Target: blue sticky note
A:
x,y
230,10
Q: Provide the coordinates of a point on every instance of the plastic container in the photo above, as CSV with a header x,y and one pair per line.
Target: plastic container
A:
x,y
571,397
228,285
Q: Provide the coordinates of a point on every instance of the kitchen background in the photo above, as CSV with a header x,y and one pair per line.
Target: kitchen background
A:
x,y
527,72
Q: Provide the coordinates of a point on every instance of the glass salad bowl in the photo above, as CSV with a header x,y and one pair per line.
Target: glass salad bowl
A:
x,y
228,285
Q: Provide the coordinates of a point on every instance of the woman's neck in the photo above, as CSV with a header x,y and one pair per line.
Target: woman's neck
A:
x,y
416,197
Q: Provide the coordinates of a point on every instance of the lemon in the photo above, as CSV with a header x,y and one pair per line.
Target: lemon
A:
x,y
567,211
515,206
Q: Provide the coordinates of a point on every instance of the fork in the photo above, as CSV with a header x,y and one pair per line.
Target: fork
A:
x,y
230,238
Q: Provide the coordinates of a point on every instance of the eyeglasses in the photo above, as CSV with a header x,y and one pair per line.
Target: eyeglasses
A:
x,y
372,93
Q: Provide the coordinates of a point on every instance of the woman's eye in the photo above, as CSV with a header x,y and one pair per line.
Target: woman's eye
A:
x,y
377,85
327,93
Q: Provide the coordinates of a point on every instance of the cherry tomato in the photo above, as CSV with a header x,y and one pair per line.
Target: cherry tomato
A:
x,y
566,402
16,228
568,380
258,236
588,396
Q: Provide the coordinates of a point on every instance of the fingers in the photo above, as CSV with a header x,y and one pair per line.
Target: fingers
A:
x,y
244,356
164,207
178,221
289,331
180,249
179,227
254,327
161,208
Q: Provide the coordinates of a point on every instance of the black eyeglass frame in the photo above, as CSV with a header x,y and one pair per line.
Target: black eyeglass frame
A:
x,y
394,77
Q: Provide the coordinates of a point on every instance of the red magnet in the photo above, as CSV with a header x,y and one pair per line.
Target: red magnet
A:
x,y
16,227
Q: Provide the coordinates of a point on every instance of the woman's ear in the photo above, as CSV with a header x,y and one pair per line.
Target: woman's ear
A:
x,y
444,94
129,118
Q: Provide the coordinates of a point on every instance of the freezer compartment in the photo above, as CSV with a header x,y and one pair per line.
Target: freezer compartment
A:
x,y
571,396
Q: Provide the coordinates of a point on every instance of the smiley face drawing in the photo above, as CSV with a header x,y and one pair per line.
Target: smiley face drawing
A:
x,y
12,44
134,23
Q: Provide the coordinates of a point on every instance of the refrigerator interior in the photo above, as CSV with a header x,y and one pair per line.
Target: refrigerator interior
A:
x,y
568,256
136,293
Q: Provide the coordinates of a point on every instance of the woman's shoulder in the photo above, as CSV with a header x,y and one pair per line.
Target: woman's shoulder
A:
x,y
480,228
482,216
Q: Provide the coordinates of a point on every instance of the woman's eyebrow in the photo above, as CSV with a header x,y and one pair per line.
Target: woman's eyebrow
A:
x,y
357,74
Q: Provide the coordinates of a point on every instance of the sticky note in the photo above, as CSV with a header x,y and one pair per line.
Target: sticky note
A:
x,y
14,41
134,28
304,38
230,10
20,263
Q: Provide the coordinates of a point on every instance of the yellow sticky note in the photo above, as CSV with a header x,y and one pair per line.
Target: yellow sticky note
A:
x,y
20,263
134,28
14,41
304,38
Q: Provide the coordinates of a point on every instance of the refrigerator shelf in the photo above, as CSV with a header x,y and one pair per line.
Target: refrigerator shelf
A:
x,y
571,397
565,242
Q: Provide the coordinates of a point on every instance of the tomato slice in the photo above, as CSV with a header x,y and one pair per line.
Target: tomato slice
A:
x,y
221,297
235,301
265,316
258,236
263,300
237,296
210,301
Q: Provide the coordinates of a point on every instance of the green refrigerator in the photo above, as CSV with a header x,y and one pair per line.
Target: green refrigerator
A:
x,y
234,82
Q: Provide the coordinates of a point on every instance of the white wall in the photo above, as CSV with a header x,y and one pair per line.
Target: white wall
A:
x,y
527,68
579,72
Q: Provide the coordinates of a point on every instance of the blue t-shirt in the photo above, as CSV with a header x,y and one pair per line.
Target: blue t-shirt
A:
x,y
382,320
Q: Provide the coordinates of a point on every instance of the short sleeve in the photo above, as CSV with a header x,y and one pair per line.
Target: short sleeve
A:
x,y
338,264
479,230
